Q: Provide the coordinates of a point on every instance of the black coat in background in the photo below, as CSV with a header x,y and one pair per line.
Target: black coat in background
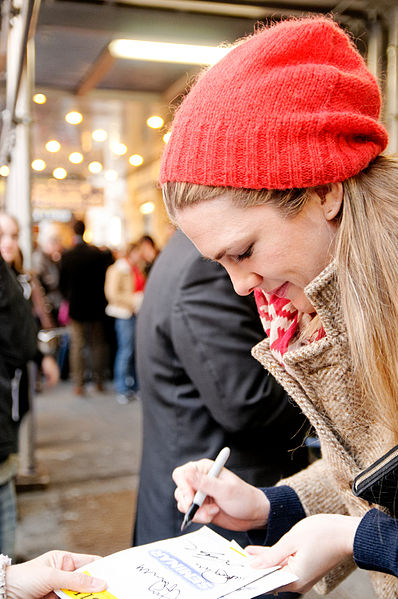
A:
x,y
201,388
82,279
18,344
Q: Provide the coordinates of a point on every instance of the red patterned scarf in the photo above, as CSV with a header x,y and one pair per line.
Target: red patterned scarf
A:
x,y
282,322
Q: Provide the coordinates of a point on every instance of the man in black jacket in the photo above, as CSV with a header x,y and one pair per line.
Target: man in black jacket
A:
x,y
18,344
202,390
82,279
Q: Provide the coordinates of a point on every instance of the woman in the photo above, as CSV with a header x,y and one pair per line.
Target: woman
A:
x,y
14,392
274,170
32,290
124,286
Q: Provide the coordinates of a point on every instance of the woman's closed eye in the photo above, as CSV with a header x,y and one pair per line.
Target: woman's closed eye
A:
x,y
244,255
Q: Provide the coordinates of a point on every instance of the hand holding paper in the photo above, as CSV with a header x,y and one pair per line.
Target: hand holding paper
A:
x,y
311,548
38,577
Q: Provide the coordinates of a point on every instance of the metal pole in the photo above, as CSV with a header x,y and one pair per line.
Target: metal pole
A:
x,y
18,198
375,50
391,115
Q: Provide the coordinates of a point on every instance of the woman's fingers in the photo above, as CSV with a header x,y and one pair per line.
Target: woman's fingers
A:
x,y
266,557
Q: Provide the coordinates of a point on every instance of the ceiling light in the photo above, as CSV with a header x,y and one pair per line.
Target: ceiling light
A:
x,y
99,135
118,148
59,173
155,122
87,236
4,170
111,175
53,146
166,52
166,137
95,167
76,157
38,164
39,98
136,160
74,117
147,208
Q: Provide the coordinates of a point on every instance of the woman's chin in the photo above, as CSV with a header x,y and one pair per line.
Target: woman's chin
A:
x,y
302,304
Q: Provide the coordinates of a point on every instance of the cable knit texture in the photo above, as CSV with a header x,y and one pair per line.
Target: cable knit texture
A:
x,y
320,379
292,106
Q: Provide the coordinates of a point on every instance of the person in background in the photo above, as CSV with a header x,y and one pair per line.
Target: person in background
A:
x,y
148,253
201,390
18,344
82,278
45,264
124,287
275,169
12,254
34,294
21,319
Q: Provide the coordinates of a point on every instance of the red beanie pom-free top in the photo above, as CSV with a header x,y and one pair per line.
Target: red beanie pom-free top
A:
x,y
294,105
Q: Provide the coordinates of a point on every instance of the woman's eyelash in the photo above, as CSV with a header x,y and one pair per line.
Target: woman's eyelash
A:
x,y
245,254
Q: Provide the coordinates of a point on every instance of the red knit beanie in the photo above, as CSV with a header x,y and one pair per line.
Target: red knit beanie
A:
x,y
292,106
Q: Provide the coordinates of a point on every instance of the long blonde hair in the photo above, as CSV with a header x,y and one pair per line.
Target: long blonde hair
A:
x,y
367,268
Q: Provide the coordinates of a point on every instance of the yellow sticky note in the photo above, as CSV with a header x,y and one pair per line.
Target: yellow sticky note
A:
x,y
78,595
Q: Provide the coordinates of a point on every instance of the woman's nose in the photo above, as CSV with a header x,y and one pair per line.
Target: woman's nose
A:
x,y
244,283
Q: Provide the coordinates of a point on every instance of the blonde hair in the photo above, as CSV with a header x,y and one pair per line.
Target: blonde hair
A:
x,y
367,268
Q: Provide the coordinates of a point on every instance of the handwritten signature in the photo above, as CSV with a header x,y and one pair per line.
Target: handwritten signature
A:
x,y
161,587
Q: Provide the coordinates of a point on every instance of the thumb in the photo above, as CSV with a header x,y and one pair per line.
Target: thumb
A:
x,y
77,581
265,557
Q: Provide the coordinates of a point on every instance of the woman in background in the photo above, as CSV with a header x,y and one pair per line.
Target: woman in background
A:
x,y
32,290
124,287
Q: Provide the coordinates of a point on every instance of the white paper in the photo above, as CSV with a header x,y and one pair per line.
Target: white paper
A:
x,y
199,564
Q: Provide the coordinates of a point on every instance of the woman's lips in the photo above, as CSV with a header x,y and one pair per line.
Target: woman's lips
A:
x,y
280,291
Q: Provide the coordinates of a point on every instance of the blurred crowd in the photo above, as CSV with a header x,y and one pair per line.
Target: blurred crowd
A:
x,y
98,294
71,315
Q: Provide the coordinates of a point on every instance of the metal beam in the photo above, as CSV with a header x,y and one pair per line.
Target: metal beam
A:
x,y
96,73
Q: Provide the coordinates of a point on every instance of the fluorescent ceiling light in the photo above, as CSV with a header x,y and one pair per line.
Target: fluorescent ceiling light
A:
x,y
203,6
166,52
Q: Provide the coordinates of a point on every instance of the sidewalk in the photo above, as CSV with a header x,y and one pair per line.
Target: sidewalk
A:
x,y
90,448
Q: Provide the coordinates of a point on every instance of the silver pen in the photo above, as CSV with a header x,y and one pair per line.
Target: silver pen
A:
x,y
199,498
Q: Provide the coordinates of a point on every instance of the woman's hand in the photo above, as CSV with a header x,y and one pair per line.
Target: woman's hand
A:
x,y
313,547
230,502
53,570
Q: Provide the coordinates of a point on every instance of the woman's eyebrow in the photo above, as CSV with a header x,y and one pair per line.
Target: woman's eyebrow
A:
x,y
220,255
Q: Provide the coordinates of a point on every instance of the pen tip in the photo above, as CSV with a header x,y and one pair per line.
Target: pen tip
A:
x,y
184,523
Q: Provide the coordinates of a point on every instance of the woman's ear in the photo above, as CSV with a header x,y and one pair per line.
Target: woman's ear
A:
x,y
331,199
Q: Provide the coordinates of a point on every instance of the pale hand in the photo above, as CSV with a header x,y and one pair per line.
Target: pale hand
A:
x,y
37,578
230,503
310,549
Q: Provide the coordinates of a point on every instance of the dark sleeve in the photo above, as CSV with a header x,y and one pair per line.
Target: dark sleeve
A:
x,y
376,543
286,510
213,331
18,330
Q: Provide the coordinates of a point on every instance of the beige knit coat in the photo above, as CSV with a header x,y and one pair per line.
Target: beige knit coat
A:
x,y
319,377
119,290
